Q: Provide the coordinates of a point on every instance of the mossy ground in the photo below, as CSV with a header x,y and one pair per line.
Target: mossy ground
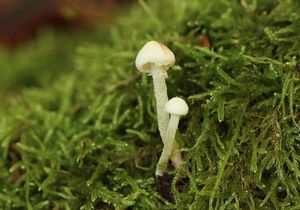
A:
x,y
89,139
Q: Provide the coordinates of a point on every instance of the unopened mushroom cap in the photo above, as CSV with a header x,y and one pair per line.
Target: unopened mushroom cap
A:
x,y
176,106
154,54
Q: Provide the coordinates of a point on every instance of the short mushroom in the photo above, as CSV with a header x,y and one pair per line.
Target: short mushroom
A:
x,y
176,107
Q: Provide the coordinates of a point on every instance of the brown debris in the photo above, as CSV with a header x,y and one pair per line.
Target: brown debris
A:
x,y
204,41
15,155
21,19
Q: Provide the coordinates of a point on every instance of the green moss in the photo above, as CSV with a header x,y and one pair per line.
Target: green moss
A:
x,y
90,139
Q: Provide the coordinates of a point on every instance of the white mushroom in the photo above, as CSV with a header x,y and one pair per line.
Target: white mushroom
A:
x,y
176,107
155,59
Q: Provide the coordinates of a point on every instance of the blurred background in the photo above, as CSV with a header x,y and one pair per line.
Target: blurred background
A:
x,y
38,38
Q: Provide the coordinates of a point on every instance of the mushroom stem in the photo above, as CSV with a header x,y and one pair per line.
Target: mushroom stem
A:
x,y
161,96
168,145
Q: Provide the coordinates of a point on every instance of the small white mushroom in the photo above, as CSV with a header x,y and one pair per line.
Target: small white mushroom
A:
x,y
176,107
155,59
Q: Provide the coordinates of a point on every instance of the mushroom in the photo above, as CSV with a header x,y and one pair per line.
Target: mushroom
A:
x,y
176,107
155,59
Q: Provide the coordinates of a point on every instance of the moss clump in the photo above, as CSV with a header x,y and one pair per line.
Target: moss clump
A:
x,y
90,140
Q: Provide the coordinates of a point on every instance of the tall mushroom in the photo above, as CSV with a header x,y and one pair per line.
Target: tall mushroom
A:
x,y
176,107
155,59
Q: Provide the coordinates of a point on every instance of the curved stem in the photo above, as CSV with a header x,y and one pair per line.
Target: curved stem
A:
x,y
161,96
168,146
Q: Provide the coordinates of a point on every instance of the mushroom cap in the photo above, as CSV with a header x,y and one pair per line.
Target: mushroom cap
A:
x,y
177,106
154,54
